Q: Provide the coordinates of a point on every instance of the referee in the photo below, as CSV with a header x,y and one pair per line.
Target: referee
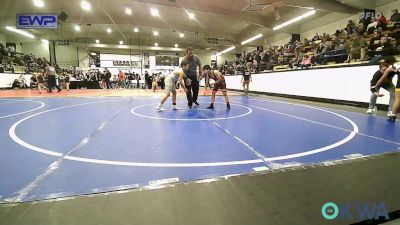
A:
x,y
192,81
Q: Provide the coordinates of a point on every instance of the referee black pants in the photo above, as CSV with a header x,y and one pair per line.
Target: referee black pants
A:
x,y
193,92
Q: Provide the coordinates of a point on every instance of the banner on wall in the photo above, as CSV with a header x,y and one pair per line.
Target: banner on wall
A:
x,y
146,60
167,60
368,14
37,21
134,64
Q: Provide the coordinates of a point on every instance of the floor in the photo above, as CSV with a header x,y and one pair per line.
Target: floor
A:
x,y
92,143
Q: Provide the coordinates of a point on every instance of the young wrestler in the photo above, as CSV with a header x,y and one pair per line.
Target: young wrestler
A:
x,y
170,86
246,79
387,85
390,72
40,80
219,84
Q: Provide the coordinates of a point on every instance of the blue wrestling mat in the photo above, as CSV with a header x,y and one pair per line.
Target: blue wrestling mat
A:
x,y
58,147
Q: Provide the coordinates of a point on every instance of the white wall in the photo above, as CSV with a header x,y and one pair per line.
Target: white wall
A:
x,y
346,83
7,79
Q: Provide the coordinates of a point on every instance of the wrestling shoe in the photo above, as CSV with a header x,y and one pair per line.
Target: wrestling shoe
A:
x,y
160,108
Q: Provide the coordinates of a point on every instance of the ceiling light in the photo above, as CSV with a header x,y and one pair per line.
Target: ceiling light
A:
x,y
156,44
92,53
20,32
97,41
121,42
176,45
85,5
226,50
251,39
155,33
44,41
181,35
128,11
38,3
154,12
191,16
108,30
77,28
287,23
136,29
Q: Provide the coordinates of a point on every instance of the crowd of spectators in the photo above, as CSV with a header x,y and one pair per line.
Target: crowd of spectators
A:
x,y
10,59
366,41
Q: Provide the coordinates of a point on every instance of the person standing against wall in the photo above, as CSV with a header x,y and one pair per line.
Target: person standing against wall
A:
x,y
107,76
246,79
192,81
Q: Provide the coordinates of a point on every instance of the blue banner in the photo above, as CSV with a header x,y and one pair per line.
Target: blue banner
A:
x,y
37,21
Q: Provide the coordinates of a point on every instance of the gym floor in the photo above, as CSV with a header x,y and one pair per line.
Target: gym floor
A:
x,y
115,142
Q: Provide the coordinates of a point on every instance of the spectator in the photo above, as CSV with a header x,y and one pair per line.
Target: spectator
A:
x,y
358,48
107,76
22,81
306,62
147,79
396,16
372,26
384,49
33,82
11,50
382,22
361,29
10,67
306,42
40,80
121,79
374,42
350,28
249,60
246,79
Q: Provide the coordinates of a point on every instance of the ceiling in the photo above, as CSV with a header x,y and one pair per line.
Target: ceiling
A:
x,y
222,19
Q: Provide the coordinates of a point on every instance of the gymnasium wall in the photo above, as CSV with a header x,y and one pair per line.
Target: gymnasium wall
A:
x,y
37,48
72,55
278,39
205,56
3,39
346,83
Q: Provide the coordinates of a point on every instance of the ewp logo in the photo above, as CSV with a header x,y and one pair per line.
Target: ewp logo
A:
x,y
37,21
366,211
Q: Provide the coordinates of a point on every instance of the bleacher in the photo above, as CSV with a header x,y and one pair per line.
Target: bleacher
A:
x,y
330,58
